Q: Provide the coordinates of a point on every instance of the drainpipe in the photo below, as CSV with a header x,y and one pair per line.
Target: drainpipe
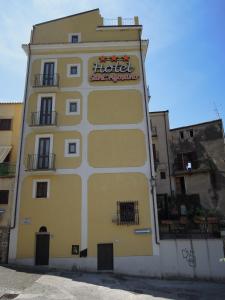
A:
x,y
153,192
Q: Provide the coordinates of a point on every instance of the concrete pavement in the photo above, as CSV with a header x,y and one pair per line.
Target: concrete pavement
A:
x,y
41,284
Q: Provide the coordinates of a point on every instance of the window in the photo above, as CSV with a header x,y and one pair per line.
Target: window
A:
x,y
5,124
180,185
4,196
74,37
127,213
181,134
191,132
41,188
73,107
73,70
72,148
163,175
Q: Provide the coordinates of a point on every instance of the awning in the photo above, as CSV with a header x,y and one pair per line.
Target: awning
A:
x,y
4,151
2,211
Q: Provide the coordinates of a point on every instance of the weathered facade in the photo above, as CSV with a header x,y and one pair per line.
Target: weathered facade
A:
x,y
10,120
190,168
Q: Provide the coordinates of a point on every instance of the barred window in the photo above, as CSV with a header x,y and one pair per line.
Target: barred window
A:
x,y
127,213
42,189
5,124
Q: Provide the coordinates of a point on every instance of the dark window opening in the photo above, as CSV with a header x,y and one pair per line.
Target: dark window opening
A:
x,y
4,196
181,134
184,160
180,185
127,213
74,39
73,106
43,229
191,132
42,190
73,70
5,124
163,175
72,148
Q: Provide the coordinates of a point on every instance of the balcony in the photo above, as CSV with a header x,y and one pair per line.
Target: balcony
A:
x,y
192,166
36,162
46,80
7,170
43,119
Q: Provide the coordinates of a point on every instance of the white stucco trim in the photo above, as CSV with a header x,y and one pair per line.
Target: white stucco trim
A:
x,y
68,66
74,33
66,148
34,187
73,113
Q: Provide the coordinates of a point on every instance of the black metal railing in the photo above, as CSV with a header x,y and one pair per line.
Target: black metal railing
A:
x,y
7,169
46,80
37,162
44,119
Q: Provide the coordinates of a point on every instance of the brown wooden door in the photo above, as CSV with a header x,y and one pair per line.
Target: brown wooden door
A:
x,y
105,256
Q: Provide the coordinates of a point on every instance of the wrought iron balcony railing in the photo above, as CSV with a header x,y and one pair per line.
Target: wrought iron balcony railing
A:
x,y
44,119
7,169
36,162
46,80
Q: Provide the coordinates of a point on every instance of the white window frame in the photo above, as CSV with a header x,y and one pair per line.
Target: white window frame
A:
x,y
38,136
74,33
43,61
73,113
73,65
66,148
34,188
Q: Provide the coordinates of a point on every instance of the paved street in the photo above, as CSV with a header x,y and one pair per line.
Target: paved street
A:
x,y
30,283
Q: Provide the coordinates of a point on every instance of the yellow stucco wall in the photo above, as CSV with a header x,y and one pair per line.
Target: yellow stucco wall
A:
x,y
116,148
58,148
57,31
60,107
59,213
111,107
104,190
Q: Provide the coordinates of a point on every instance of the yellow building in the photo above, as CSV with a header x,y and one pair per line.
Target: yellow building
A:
x,y
84,195
10,120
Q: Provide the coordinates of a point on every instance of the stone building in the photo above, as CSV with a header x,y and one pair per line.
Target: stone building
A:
x,y
190,175
10,119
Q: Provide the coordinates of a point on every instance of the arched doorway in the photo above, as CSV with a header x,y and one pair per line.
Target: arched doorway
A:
x,y
42,246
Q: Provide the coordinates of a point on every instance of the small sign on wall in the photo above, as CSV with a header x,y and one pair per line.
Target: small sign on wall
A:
x,y
26,221
75,249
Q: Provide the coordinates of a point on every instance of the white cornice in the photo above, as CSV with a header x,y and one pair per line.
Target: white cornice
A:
x,y
81,46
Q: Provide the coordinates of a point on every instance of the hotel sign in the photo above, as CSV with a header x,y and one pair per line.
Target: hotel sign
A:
x,y
113,68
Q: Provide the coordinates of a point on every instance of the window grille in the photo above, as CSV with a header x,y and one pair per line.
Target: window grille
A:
x,y
127,213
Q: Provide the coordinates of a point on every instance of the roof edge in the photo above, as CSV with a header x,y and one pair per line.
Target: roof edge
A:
x,y
198,124
58,19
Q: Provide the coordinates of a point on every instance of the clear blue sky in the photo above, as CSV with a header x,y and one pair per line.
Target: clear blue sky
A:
x,y
186,58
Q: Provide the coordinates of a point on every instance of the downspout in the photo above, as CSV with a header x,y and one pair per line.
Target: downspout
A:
x,y
167,151
148,140
21,141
